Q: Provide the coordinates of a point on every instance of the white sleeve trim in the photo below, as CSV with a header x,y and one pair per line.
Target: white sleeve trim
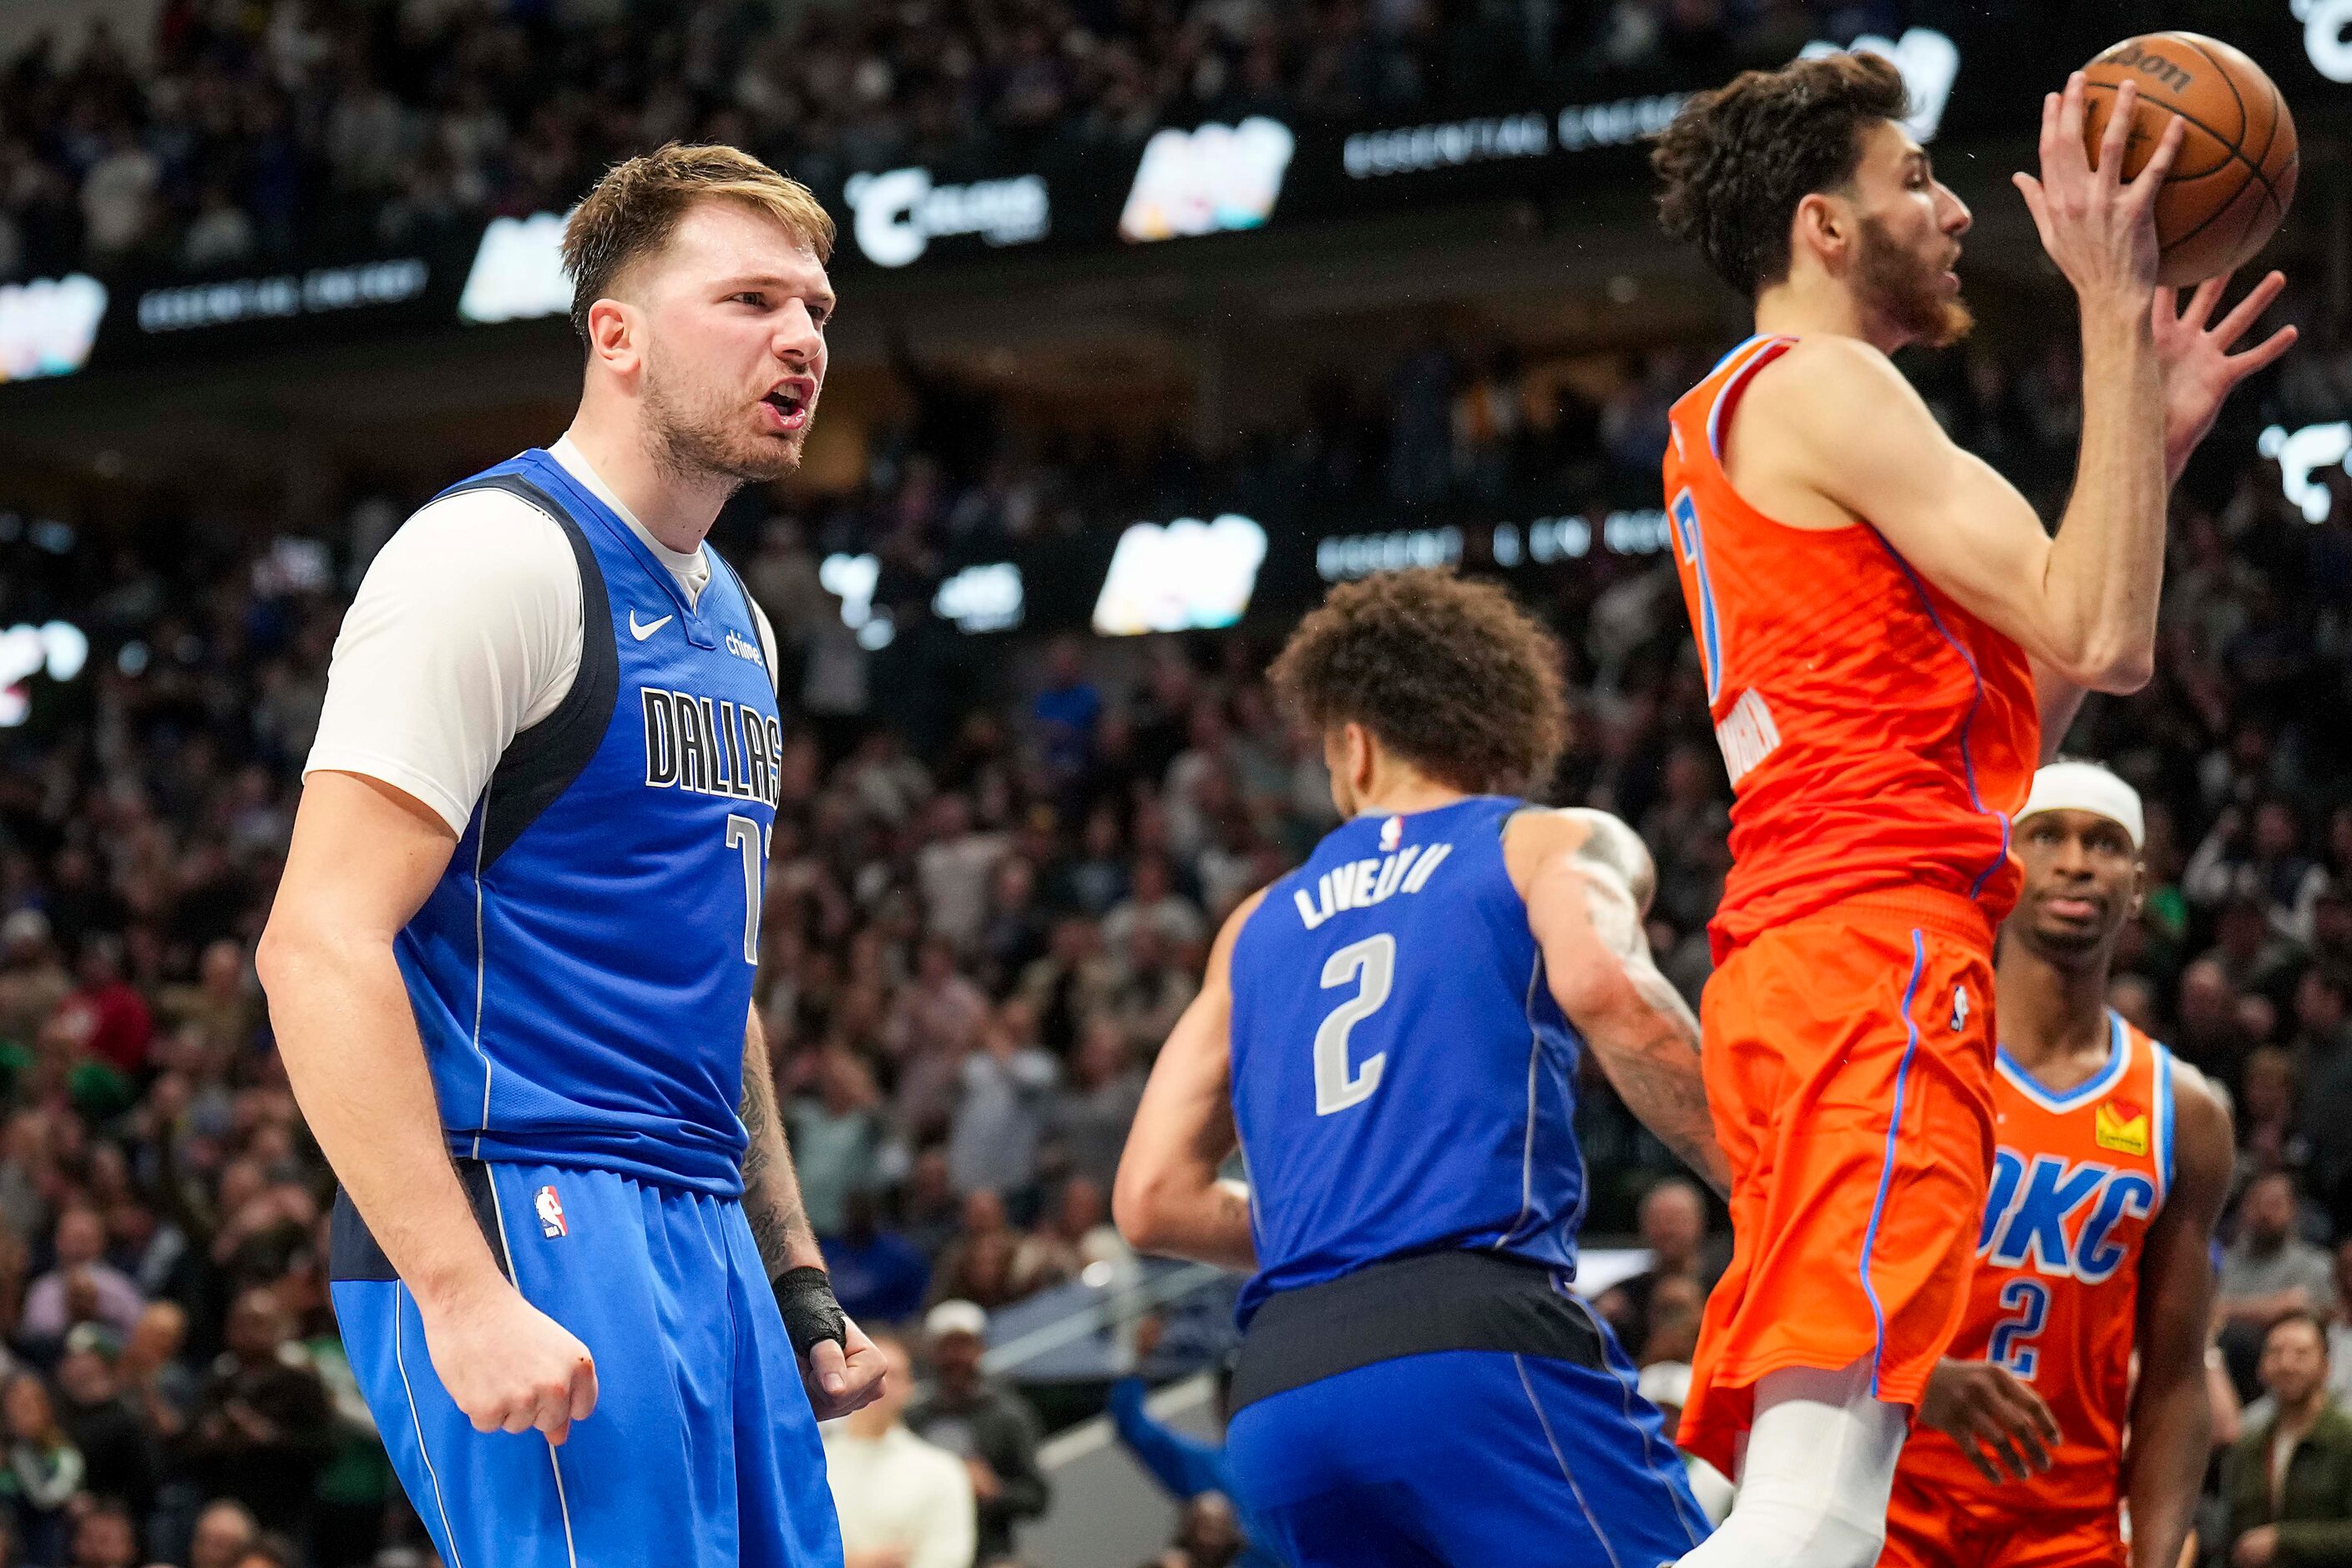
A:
x,y
466,632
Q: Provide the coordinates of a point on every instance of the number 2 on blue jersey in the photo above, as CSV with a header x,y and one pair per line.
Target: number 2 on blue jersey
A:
x,y
1336,1085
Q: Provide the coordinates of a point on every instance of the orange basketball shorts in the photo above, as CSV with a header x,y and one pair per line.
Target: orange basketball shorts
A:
x,y
1848,1058
1926,1528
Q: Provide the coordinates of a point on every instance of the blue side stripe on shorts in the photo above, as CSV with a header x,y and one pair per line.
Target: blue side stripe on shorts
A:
x,y
1886,1169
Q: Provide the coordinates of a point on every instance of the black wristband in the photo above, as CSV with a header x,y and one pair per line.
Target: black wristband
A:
x,y
805,1296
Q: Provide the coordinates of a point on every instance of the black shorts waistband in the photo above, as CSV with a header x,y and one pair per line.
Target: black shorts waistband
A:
x,y
1414,1306
352,1252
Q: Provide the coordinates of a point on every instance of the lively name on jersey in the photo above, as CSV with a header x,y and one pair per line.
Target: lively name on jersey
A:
x,y
711,746
1360,884
2029,1203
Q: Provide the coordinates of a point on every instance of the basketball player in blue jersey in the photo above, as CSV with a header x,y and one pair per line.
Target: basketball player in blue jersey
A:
x,y
509,964
1390,1033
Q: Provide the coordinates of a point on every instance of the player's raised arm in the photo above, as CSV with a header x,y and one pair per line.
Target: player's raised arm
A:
x,y
363,859
1167,1198
1848,427
2171,1411
1588,880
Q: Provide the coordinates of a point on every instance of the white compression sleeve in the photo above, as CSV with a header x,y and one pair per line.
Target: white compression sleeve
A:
x,y
1820,1468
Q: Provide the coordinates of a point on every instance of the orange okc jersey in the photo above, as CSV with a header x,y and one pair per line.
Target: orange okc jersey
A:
x,y
1879,736
2078,1178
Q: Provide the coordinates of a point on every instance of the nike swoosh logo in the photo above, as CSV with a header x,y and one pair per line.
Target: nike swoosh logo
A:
x,y
642,633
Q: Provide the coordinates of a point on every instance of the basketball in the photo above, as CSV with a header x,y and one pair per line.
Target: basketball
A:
x,y
2231,185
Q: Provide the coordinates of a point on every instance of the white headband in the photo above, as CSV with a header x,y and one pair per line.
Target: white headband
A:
x,y
2087,786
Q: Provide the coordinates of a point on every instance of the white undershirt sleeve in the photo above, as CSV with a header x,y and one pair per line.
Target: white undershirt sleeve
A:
x,y
767,638
466,631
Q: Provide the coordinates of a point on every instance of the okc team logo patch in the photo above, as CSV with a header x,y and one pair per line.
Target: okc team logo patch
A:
x,y
2121,1126
551,1223
1391,834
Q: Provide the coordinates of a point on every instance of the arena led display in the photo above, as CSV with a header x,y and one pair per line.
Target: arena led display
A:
x,y
47,326
898,213
2302,456
1929,61
58,648
1180,576
322,290
2327,35
1209,178
518,271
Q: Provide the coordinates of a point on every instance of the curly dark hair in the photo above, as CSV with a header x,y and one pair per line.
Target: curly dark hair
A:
x,y
1736,160
1451,674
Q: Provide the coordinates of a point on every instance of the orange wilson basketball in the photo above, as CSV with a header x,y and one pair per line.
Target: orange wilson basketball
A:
x,y
2230,187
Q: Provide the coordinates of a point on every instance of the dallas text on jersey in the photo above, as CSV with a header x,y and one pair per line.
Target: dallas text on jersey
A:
x,y
709,746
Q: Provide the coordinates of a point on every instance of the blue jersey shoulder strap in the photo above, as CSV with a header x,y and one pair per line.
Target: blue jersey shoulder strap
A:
x,y
541,762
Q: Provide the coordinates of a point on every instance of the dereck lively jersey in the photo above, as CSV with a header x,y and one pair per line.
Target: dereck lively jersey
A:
x,y
1402,1079
581,975
2078,1178
1879,736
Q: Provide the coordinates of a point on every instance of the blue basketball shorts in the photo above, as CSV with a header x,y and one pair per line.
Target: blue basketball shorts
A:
x,y
702,1451
1464,1460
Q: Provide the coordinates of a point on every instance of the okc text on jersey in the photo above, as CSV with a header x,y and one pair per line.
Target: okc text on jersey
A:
x,y
2030,1203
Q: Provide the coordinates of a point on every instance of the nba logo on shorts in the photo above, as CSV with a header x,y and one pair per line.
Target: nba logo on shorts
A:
x,y
550,1213
1391,833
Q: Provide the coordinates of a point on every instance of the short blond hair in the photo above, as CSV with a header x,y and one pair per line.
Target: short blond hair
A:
x,y
633,210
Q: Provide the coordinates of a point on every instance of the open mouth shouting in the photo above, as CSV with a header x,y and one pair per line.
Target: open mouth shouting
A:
x,y
787,405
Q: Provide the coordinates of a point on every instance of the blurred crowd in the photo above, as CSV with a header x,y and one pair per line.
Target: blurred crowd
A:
x,y
246,129
990,896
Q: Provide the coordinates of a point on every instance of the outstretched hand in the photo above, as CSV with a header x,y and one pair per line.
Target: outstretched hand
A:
x,y
2200,372
2099,227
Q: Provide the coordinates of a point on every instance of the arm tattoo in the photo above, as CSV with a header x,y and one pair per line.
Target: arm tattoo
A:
x,y
771,1196
1610,847
1651,1049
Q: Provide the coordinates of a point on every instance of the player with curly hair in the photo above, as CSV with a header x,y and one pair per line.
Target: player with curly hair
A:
x,y
1390,1035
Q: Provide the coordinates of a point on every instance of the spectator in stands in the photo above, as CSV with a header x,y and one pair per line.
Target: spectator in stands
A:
x,y
1076,1232
1000,1113
105,1537
2268,1271
878,1276
2267,1111
2339,1346
2288,1483
117,1447
904,1502
1067,710
1090,1113
150,1369
1672,1221
43,1468
984,1423
106,1018
83,1288
226,1531
837,1135
265,1425
1208,1535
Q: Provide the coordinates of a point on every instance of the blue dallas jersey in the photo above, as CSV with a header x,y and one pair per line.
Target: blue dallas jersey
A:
x,y
582,972
1402,1080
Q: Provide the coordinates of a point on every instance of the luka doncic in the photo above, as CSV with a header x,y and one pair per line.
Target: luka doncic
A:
x,y
509,964
1390,1033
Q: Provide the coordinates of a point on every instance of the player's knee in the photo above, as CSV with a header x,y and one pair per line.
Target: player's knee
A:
x,y
1779,1527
